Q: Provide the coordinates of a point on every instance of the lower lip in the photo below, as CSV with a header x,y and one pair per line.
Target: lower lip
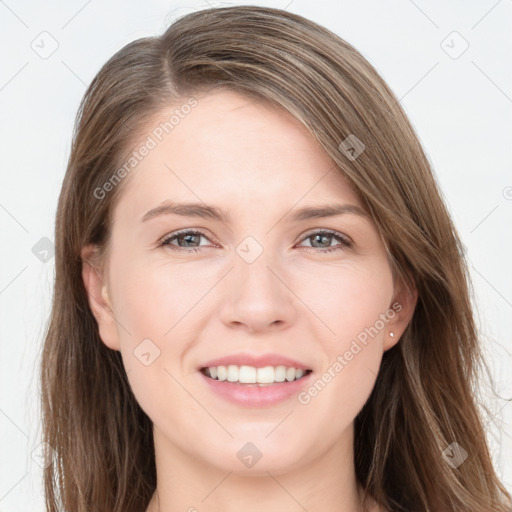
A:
x,y
252,395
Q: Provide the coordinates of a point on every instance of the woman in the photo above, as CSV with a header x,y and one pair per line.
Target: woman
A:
x,y
314,348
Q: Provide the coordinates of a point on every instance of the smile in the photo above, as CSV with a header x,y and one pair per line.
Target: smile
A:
x,y
265,376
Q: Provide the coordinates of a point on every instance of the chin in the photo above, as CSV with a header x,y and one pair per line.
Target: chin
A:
x,y
257,457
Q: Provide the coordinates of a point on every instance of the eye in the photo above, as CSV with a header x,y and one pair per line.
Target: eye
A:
x,y
187,237
191,240
324,238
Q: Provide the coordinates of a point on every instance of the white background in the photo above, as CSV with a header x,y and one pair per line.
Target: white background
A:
x,y
461,108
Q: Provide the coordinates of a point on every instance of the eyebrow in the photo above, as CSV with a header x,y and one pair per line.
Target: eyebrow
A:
x,y
203,211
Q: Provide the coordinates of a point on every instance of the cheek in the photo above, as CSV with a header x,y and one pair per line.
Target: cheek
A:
x,y
338,393
158,300
354,303
160,311
154,338
348,299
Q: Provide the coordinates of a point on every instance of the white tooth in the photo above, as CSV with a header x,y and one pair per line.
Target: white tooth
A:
x,y
222,373
251,375
265,375
280,373
247,375
232,373
290,374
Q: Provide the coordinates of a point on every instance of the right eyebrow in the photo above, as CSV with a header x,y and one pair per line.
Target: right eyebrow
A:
x,y
199,210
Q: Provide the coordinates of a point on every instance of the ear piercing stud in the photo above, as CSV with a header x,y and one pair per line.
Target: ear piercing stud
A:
x,y
392,334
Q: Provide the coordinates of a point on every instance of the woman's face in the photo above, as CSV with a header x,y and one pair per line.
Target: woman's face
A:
x,y
262,287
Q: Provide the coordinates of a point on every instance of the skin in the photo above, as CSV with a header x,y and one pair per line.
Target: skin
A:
x,y
259,164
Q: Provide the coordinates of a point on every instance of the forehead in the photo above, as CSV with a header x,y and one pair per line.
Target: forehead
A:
x,y
233,150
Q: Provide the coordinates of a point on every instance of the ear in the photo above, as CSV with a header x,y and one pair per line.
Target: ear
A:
x,y
98,296
403,304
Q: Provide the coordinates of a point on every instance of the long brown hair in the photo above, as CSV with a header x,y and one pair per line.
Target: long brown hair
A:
x,y
425,395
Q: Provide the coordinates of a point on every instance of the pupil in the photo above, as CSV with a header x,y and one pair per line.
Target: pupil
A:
x,y
321,236
188,237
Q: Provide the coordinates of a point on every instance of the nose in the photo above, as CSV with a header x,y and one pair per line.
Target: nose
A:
x,y
257,297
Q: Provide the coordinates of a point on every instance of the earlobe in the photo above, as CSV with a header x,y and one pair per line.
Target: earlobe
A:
x,y
98,298
404,304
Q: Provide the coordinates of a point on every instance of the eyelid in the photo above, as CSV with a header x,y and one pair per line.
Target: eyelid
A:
x,y
344,237
186,231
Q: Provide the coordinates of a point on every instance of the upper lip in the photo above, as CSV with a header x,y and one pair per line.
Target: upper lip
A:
x,y
257,361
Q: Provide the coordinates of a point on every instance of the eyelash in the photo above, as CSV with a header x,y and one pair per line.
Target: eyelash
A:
x,y
345,242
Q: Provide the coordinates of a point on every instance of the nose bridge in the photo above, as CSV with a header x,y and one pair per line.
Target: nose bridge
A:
x,y
258,296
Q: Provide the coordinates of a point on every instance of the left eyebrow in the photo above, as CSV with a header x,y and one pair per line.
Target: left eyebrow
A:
x,y
200,210
317,212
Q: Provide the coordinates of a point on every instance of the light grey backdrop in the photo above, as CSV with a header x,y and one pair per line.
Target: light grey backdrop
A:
x,y
448,62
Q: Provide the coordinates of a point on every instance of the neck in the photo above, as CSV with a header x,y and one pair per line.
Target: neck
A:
x,y
325,483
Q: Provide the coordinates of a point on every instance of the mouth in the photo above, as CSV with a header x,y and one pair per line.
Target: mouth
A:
x,y
255,376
